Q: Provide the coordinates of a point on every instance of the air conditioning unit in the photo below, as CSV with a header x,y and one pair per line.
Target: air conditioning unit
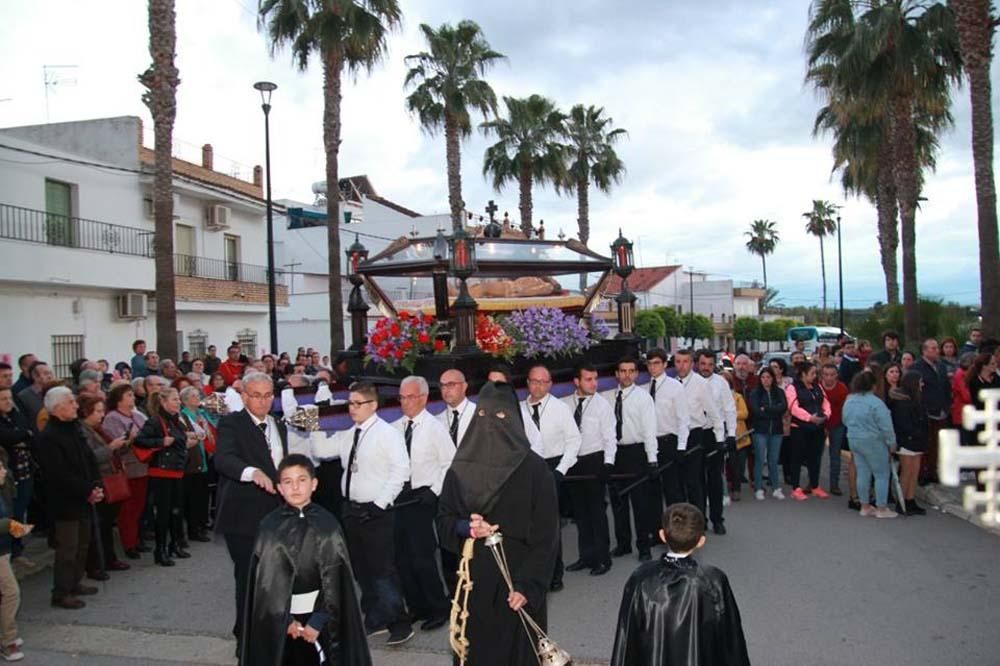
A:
x,y
217,217
132,305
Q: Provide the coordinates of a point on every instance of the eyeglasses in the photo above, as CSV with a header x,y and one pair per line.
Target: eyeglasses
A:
x,y
260,396
358,403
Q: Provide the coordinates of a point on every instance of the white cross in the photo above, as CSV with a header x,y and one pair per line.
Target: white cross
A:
x,y
952,457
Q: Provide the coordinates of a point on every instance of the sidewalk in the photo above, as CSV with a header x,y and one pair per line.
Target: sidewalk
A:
x,y
948,499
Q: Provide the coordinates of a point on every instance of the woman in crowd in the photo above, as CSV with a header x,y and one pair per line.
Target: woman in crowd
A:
x,y
16,437
949,356
982,375
124,371
782,381
906,360
809,410
888,379
124,420
767,415
822,356
197,375
869,425
181,383
960,396
196,472
909,421
166,440
269,364
737,459
864,352
106,450
216,383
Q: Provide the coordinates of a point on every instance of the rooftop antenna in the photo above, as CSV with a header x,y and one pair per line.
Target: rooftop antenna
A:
x,y
56,75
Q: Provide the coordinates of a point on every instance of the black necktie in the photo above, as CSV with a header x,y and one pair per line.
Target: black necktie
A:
x,y
350,463
263,427
408,435
578,413
453,428
618,416
652,389
535,416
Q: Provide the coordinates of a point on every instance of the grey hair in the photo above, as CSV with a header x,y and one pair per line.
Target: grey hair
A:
x,y
90,376
137,383
187,391
55,397
419,381
254,377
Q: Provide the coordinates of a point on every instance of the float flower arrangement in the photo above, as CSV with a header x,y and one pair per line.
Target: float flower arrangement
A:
x,y
493,339
550,332
399,341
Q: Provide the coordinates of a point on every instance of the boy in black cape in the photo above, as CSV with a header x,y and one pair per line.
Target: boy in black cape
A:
x,y
676,612
497,482
301,607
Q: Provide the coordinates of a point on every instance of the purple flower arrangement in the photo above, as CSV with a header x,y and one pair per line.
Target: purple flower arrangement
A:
x,y
551,332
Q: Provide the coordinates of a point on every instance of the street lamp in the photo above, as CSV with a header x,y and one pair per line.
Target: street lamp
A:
x,y
266,88
356,305
462,263
623,263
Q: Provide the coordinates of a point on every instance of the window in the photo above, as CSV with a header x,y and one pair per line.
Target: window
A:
x,y
185,260
65,350
197,343
247,340
232,248
60,227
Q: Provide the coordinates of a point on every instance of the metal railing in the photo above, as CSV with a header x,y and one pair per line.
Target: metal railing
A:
x,y
186,265
38,226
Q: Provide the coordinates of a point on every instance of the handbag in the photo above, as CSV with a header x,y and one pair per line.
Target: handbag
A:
x,y
116,484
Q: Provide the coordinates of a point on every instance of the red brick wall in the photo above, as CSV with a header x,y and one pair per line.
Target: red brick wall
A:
x,y
201,289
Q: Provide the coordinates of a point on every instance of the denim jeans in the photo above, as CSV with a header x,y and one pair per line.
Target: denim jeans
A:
x,y
871,458
836,443
766,447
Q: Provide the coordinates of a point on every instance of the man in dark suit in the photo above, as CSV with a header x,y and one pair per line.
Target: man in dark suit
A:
x,y
251,445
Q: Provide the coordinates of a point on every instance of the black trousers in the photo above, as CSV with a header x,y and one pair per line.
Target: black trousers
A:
x,y
72,537
196,501
631,459
806,448
671,480
168,505
328,494
240,547
590,511
103,533
370,535
691,466
557,573
416,550
715,463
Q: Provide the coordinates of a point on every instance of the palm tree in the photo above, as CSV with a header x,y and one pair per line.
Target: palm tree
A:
x,y
975,25
449,86
161,81
821,221
528,150
347,34
763,239
892,58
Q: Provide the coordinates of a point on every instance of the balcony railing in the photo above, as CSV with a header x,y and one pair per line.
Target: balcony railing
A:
x,y
38,226
218,269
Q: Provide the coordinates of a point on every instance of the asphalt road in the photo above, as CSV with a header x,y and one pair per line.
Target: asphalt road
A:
x,y
816,585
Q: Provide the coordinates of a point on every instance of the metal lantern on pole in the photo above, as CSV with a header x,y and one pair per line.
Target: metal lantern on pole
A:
x,y
439,276
462,263
356,304
265,88
623,264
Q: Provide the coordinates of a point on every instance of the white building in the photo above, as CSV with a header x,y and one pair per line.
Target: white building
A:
x,y
76,246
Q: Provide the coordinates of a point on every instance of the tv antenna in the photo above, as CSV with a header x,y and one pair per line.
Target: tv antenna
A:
x,y
56,75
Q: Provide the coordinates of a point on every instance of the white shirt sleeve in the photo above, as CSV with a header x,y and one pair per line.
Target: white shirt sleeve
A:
x,y
398,472
445,453
246,476
648,416
714,414
572,437
683,416
608,432
329,446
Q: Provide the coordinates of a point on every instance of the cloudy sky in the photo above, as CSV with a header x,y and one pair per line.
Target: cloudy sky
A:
x,y
711,94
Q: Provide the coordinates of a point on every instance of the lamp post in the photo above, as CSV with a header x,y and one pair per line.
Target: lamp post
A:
x,y
840,276
356,305
439,277
266,88
463,264
623,263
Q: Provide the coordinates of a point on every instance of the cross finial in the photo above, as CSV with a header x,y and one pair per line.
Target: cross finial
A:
x,y
491,208
952,457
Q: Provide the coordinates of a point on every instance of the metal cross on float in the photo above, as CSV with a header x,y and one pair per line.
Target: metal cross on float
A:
x,y
952,457
491,208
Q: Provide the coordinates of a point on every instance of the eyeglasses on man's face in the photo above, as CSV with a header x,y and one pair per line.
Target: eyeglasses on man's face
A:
x,y
358,403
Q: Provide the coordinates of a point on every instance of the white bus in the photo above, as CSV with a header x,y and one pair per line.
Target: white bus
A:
x,y
814,336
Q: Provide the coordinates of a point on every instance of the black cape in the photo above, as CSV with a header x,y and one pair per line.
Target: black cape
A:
x,y
498,476
298,552
676,612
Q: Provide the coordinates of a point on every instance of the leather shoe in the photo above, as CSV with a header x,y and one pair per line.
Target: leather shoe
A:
x,y
601,569
645,555
619,551
69,602
719,528
118,565
83,590
433,623
98,575
576,566
556,586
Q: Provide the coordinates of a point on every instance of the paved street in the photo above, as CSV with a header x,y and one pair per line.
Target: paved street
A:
x,y
816,585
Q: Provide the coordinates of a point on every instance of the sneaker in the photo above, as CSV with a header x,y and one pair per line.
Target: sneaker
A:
x,y
400,636
375,631
759,494
820,493
18,642
11,653
885,512
866,511
799,494
854,504
777,494
725,500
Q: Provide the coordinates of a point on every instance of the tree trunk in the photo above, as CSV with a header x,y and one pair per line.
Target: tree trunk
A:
x,y
904,143
822,265
161,81
583,218
333,66
525,181
763,267
453,150
975,34
888,226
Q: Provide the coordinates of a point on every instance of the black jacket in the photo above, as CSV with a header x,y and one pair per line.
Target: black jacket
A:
x,y
70,469
241,444
16,438
937,388
767,410
909,421
172,458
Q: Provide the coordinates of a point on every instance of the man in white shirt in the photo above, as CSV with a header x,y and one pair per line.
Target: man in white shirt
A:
x,y
706,432
560,438
635,434
596,423
715,462
459,410
430,449
375,469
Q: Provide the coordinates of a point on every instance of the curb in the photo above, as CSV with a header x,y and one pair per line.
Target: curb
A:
x,y
949,500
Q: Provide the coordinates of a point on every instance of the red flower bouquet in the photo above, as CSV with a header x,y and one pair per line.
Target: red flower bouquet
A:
x,y
398,342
